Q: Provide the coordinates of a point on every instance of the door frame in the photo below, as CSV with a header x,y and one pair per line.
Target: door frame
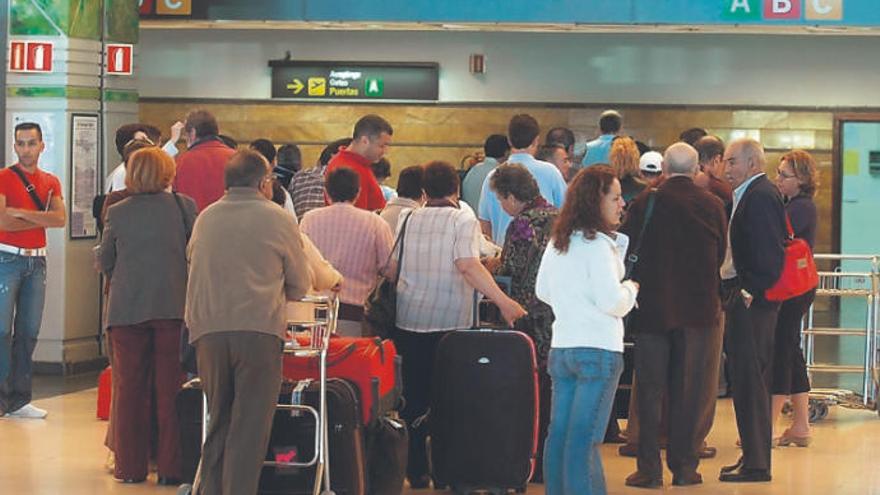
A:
x,y
837,171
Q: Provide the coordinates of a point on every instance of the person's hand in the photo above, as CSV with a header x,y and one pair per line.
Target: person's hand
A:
x,y
15,212
176,131
492,263
511,311
636,284
336,288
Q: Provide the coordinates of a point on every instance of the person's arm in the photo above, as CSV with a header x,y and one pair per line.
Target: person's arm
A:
x,y
610,295
485,208
324,276
384,242
765,217
107,252
296,275
11,223
480,279
170,146
55,217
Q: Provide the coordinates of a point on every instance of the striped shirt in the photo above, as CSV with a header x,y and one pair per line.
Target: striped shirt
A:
x,y
307,190
356,242
432,295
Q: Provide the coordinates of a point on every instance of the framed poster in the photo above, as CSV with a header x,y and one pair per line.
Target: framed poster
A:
x,y
84,164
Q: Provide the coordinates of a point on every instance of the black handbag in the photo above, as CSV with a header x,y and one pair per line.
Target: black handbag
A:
x,y
380,308
188,360
633,257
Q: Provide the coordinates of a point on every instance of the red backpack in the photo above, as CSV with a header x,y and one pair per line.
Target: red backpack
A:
x,y
799,274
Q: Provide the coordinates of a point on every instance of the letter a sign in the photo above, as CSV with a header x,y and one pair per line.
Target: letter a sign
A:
x,y
120,59
742,10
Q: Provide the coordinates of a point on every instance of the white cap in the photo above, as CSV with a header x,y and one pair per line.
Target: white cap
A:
x,y
651,162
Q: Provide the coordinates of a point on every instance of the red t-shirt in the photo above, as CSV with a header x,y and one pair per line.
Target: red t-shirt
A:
x,y
371,197
18,197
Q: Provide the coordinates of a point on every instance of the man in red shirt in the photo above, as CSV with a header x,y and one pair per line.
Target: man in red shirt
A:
x,y
372,137
30,202
200,169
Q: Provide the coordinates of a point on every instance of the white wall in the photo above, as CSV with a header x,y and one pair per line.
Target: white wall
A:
x,y
753,70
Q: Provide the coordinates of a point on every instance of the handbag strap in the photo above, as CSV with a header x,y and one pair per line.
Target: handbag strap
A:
x,y
186,228
398,246
789,227
633,256
31,190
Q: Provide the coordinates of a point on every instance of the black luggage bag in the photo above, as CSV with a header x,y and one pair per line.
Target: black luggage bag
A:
x,y
293,437
189,416
484,411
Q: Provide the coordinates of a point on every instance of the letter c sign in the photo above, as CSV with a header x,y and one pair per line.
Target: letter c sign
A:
x,y
174,7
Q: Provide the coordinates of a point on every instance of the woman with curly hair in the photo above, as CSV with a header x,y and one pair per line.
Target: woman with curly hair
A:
x,y
581,278
527,237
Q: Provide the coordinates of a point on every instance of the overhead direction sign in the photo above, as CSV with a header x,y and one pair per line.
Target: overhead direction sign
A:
x,y
322,80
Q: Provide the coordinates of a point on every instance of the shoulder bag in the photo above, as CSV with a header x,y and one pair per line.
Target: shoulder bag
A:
x,y
380,308
799,274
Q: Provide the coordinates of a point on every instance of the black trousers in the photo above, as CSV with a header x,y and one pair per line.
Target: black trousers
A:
x,y
681,363
418,350
789,368
751,335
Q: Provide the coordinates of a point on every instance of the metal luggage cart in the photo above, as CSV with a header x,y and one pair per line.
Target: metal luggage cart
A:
x,y
840,283
320,324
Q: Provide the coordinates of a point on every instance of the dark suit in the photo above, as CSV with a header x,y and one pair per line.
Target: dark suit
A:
x,y
677,325
757,234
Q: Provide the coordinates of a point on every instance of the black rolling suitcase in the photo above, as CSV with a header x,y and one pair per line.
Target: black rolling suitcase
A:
x,y
189,415
484,411
293,439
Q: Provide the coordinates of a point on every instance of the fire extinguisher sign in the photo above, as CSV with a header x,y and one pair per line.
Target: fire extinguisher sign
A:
x,y
30,56
119,59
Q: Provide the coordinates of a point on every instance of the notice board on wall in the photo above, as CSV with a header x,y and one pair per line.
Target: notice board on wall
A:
x,y
327,80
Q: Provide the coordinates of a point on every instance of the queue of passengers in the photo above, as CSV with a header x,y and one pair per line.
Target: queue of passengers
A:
x,y
200,241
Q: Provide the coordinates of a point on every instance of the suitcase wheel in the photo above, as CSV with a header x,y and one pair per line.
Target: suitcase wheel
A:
x,y
185,489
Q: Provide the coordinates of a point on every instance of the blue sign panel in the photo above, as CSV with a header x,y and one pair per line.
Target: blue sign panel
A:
x,y
623,12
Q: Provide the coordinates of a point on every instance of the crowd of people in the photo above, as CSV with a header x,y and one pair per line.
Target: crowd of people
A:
x,y
214,241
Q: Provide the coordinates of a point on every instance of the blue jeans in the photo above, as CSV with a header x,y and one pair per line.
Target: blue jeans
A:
x,y
584,383
22,294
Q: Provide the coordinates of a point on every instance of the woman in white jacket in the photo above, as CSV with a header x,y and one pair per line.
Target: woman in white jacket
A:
x,y
581,279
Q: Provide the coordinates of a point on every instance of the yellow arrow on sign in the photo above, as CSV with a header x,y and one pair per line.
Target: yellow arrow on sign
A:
x,y
296,86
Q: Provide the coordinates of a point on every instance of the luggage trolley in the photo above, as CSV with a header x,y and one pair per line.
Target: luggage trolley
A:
x,y
320,322
840,283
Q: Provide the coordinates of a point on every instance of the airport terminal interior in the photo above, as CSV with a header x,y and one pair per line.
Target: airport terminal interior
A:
x,y
789,74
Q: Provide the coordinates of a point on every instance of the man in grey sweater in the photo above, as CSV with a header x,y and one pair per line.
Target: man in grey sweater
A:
x,y
245,261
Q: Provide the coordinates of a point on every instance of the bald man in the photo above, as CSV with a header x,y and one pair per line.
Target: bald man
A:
x,y
677,327
753,263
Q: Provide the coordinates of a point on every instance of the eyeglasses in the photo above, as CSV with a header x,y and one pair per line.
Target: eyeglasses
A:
x,y
784,175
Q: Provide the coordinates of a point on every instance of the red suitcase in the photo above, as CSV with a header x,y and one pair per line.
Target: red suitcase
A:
x,y
370,363
105,385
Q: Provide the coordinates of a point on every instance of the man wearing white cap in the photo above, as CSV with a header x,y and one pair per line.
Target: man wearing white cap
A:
x,y
650,165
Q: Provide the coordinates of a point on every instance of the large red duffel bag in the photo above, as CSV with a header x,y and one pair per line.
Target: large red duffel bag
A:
x,y
370,363
105,385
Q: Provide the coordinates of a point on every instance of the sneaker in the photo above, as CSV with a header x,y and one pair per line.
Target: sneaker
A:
x,y
28,411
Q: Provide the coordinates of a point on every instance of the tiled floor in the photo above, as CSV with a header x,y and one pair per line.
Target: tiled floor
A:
x,y
64,455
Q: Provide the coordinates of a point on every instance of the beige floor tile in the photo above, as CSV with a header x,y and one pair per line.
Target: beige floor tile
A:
x,y
65,454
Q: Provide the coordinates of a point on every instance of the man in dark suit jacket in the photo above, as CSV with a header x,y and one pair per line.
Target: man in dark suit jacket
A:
x,y
678,339
753,264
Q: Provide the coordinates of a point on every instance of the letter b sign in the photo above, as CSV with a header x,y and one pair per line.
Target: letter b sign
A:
x,y
782,9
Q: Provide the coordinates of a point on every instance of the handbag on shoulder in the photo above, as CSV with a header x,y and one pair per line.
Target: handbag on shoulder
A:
x,y
380,308
799,274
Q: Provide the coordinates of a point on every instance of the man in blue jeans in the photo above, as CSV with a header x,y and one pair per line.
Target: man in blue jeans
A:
x,y
30,201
